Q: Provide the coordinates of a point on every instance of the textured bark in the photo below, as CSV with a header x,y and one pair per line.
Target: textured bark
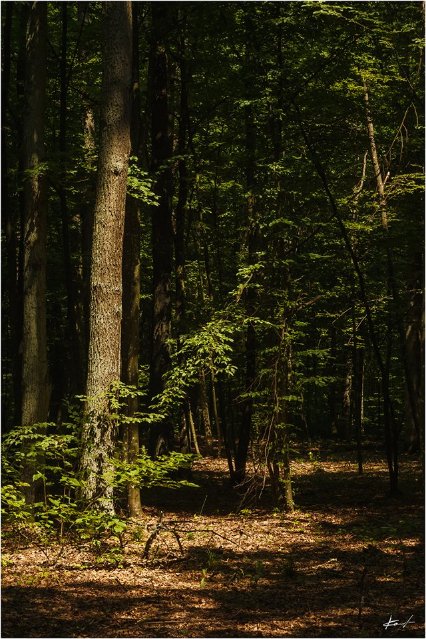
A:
x,y
162,236
35,393
99,429
130,339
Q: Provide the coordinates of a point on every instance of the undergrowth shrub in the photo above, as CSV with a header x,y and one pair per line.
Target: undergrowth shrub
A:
x,y
58,511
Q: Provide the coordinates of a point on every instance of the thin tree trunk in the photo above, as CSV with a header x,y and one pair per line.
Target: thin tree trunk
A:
x,y
414,335
358,370
35,388
76,360
180,210
278,455
162,237
221,433
99,428
251,341
86,216
193,432
394,310
20,91
281,466
204,408
11,325
387,401
344,424
130,339
216,418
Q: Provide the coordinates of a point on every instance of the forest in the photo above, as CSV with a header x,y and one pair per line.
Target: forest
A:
x,y
212,318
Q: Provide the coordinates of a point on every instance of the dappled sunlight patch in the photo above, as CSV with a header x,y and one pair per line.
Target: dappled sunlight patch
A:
x,y
241,574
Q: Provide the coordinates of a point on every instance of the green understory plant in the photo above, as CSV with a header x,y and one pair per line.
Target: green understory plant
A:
x,y
58,514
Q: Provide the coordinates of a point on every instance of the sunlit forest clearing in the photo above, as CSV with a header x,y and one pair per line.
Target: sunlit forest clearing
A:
x,y
212,319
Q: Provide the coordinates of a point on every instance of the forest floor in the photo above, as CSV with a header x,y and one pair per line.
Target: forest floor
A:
x,y
346,561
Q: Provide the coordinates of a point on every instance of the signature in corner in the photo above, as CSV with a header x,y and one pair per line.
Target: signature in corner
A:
x,y
392,623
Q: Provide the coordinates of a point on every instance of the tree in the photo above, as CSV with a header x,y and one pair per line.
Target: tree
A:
x,y
130,340
35,385
76,360
99,429
260,279
252,224
161,219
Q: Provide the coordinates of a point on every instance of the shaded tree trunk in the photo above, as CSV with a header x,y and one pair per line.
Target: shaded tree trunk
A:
x,y
414,335
86,215
35,386
162,237
182,201
251,342
99,429
11,325
279,453
204,409
278,456
344,425
191,428
76,359
358,384
130,339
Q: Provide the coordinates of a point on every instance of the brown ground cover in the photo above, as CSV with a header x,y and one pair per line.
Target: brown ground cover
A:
x,y
340,566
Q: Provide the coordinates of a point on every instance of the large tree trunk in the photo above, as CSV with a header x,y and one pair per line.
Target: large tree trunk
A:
x,y
130,339
162,237
35,393
99,429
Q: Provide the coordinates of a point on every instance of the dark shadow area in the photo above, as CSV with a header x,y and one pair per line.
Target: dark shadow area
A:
x,y
299,593
214,495
318,489
349,488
